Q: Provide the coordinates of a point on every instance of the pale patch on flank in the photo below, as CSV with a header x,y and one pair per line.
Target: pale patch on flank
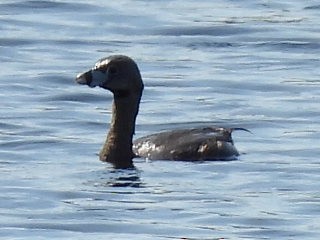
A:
x,y
203,148
146,147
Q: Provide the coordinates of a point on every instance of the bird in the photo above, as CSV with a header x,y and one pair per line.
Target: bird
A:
x,y
120,75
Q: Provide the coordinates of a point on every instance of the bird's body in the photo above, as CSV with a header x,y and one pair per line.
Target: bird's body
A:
x,y
120,75
197,144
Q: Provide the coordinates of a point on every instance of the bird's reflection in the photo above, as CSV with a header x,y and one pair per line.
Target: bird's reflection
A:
x,y
121,178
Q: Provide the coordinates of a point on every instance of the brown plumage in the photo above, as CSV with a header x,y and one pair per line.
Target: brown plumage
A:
x,y
120,75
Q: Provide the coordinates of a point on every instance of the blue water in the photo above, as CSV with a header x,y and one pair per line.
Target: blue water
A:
x,y
252,64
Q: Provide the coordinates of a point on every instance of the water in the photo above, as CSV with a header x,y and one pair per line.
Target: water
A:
x,y
252,64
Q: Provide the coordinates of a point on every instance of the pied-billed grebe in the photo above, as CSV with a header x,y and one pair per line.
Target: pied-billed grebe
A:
x,y
120,75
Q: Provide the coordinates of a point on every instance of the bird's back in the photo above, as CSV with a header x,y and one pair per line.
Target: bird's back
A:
x,y
197,144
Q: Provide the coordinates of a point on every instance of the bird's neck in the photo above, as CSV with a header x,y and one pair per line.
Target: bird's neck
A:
x,y
118,146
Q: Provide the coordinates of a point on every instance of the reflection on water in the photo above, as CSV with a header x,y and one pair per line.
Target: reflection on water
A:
x,y
120,178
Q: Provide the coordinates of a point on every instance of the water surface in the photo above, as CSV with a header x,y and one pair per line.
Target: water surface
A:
x,y
252,64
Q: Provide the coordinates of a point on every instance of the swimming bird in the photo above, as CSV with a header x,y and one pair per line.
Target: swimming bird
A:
x,y
120,75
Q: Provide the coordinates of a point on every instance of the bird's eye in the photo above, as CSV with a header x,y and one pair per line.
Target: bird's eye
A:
x,y
112,70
